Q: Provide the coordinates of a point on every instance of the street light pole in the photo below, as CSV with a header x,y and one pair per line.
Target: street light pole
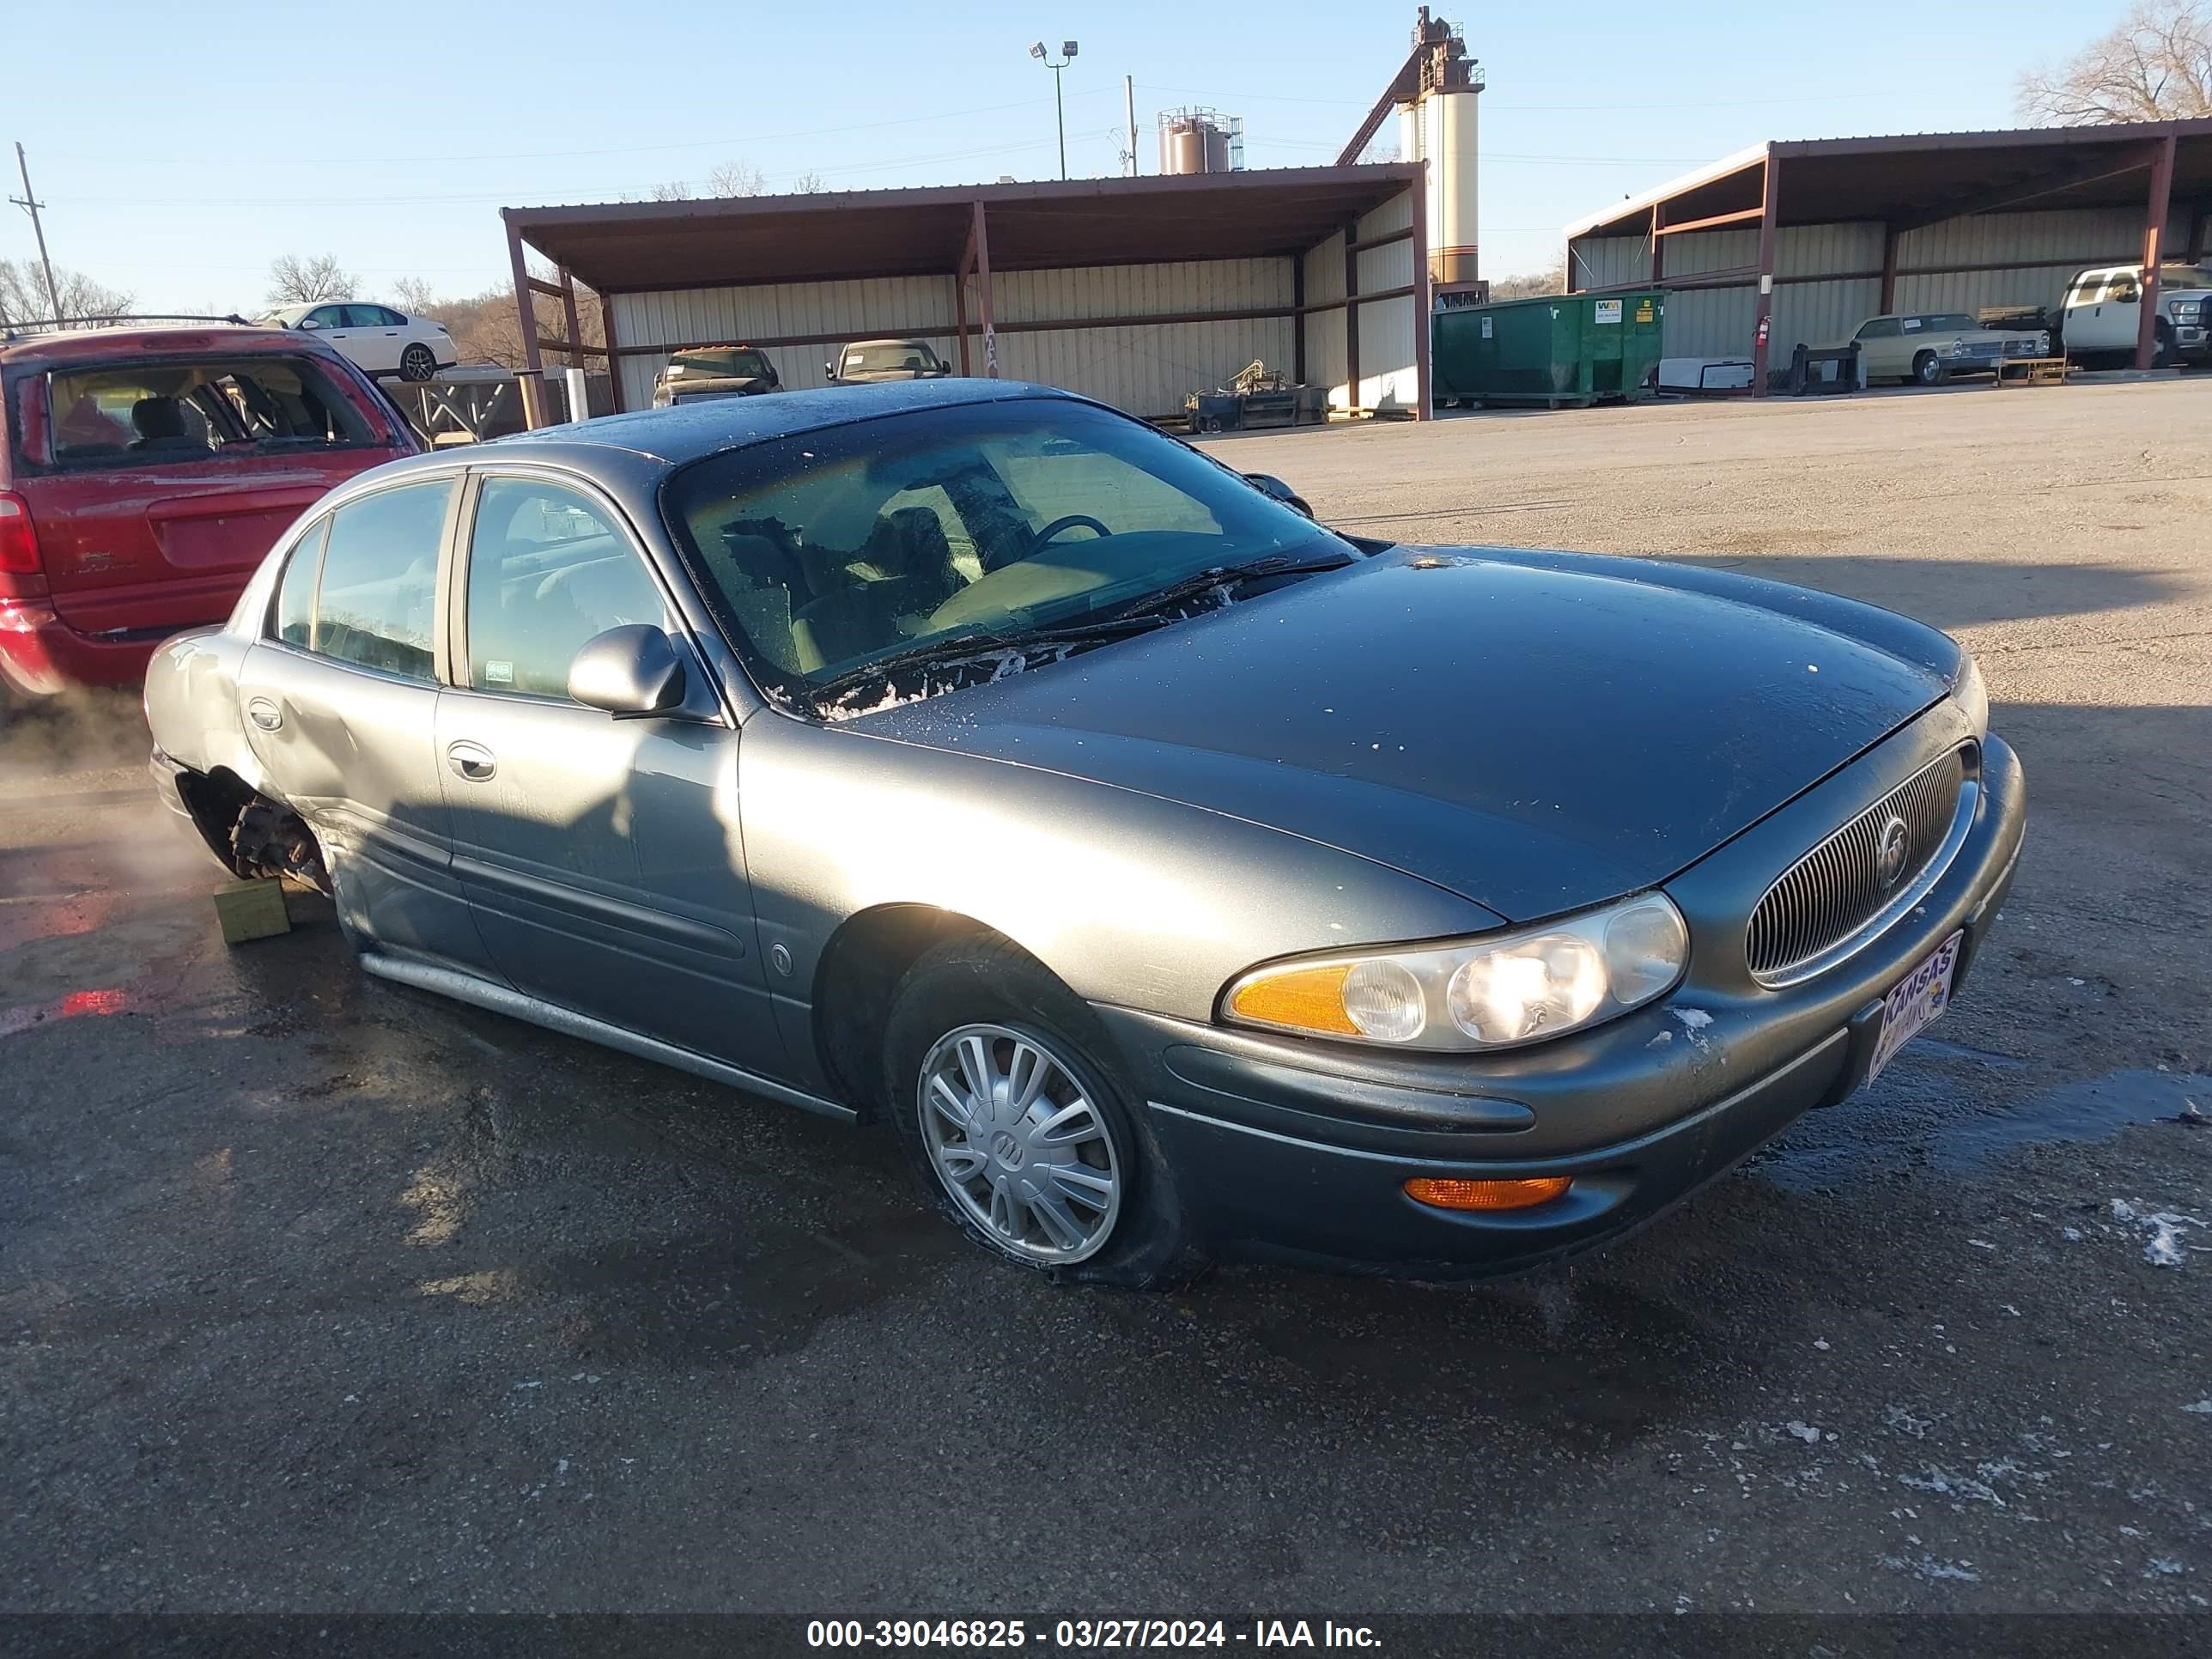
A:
x,y
1059,104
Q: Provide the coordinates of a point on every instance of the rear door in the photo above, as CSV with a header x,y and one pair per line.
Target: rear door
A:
x,y
379,336
339,696
160,484
602,856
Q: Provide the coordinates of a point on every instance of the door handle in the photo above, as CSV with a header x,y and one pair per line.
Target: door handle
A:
x,y
471,761
264,713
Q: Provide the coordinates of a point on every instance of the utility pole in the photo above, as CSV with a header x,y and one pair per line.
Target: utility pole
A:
x,y
1129,92
30,204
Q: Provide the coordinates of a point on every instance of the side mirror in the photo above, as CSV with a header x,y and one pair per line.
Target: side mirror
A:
x,y
630,672
309,322
1282,492
830,369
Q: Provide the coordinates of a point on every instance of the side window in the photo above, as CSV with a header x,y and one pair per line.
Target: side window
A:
x,y
377,605
369,317
295,618
1881,328
547,572
326,316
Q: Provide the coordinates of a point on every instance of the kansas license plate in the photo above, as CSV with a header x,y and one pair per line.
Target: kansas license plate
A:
x,y
1914,1001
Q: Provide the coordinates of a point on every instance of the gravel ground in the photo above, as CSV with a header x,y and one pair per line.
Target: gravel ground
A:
x,y
319,1294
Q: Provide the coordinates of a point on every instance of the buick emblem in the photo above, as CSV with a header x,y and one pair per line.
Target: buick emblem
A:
x,y
1890,852
1006,1150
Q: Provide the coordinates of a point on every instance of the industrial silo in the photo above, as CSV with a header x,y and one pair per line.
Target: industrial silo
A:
x,y
1201,141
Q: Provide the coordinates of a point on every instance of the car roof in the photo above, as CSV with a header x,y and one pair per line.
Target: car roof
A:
x,y
888,340
690,432
75,345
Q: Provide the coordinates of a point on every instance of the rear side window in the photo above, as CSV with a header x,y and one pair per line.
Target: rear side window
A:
x,y
547,572
294,622
161,414
376,605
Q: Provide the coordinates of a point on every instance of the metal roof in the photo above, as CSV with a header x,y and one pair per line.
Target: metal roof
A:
x,y
626,246
1926,176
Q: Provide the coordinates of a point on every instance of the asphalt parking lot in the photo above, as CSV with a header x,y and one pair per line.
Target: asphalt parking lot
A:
x,y
317,1293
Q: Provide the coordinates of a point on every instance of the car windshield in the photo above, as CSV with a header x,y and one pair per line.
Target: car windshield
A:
x,y
737,361
864,543
890,353
1949,320
146,414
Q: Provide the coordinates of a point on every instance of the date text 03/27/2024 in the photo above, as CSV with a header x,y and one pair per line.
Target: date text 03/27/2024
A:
x,y
1085,1634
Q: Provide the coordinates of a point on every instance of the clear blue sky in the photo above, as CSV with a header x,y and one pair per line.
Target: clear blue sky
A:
x,y
181,149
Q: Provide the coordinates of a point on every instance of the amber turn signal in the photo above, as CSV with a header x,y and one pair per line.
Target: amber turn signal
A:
x,y
1304,998
1487,1194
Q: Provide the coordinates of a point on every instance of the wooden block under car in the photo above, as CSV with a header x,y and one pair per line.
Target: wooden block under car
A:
x,y
252,910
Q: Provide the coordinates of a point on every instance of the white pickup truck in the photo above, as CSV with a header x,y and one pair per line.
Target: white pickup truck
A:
x,y
2103,308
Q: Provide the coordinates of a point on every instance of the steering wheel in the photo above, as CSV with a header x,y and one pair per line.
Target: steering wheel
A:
x,y
1068,521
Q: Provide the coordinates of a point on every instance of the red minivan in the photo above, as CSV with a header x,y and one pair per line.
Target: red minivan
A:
x,y
146,472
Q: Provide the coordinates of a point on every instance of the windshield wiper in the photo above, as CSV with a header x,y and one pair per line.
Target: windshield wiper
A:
x,y
966,646
1201,582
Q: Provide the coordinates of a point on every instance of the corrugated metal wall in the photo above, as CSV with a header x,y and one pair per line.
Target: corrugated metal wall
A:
x,y
1145,369
846,310
1387,369
2034,253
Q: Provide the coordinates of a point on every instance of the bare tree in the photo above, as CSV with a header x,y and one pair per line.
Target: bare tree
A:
x,y
1531,285
737,179
808,183
293,281
23,294
2156,66
675,190
416,295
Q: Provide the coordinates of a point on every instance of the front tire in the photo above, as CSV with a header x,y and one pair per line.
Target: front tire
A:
x,y
418,363
999,1086
2163,353
1928,369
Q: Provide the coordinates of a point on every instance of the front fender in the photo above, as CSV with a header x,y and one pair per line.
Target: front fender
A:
x,y
1130,899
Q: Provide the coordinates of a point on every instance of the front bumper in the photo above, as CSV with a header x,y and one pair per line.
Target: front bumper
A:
x,y
1300,1151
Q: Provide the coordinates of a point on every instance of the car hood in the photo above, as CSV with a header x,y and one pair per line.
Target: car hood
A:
x,y
1531,736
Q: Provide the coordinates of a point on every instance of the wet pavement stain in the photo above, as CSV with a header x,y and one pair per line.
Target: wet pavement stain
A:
x,y
723,1299
1925,1115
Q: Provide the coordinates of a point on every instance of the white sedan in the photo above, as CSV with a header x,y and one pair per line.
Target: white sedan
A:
x,y
376,337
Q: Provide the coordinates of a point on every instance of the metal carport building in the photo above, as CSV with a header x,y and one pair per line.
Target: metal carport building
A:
x,y
1135,291
1819,235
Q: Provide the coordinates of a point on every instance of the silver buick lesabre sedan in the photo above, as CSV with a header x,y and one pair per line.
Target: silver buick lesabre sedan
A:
x,y
1179,878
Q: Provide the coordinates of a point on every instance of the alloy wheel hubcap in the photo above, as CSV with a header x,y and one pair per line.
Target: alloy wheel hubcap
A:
x,y
1019,1143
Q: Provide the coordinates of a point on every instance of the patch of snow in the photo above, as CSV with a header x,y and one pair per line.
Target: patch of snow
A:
x,y
1821,1343
2163,1567
1804,1432
1661,1041
2164,1247
1943,1481
2203,1406
1904,1422
1928,1568
1981,1243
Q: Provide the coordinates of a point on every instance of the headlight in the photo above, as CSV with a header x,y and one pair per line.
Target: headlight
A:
x,y
2184,308
1497,992
1972,695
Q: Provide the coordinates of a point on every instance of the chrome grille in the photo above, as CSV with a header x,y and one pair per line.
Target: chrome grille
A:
x,y
1833,893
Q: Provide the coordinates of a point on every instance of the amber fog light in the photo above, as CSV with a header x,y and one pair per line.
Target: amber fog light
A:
x,y
1487,1194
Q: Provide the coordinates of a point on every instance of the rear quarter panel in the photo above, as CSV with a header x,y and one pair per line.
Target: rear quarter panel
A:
x,y
192,708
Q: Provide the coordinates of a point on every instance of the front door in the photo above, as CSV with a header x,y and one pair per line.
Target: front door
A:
x,y
602,857
339,697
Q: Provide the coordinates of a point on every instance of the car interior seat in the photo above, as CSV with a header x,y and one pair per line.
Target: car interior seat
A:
x,y
160,424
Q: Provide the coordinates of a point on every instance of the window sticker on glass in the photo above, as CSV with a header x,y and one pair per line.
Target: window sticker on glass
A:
x,y
1911,323
499,672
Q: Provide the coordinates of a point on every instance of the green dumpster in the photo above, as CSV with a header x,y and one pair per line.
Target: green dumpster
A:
x,y
1562,350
